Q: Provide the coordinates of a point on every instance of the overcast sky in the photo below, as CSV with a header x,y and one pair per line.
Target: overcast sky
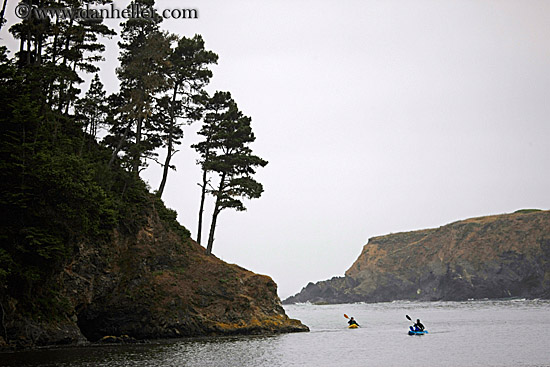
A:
x,y
375,117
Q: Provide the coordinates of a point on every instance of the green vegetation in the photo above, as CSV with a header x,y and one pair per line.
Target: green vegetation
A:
x,y
69,166
225,152
527,211
55,194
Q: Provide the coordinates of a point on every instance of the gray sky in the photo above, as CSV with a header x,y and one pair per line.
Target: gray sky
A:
x,y
375,116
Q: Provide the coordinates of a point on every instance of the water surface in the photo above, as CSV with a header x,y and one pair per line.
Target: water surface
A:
x,y
476,333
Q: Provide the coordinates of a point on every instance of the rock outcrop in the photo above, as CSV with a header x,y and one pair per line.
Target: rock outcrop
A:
x,y
150,285
497,256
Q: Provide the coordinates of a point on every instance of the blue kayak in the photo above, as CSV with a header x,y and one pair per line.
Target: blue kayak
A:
x,y
412,332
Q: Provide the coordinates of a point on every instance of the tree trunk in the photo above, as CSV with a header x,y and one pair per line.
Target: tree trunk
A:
x,y
203,191
39,50
170,143
119,146
62,87
166,166
68,88
217,211
2,14
28,48
51,81
137,153
201,208
212,229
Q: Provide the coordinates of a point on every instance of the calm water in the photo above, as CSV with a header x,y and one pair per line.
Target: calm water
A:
x,y
477,333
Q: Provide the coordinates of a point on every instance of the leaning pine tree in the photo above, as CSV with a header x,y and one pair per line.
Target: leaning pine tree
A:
x,y
214,110
225,152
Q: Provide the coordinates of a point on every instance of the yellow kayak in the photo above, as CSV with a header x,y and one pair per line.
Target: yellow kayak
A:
x,y
353,326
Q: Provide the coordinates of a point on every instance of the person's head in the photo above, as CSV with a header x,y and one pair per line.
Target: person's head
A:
x,y
418,320
351,318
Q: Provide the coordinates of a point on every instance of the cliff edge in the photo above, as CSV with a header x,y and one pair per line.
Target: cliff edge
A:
x,y
496,256
150,284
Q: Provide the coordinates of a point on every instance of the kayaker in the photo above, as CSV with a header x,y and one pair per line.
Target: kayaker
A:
x,y
352,322
418,326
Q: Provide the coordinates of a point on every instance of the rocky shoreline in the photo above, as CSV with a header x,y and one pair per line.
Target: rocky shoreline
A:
x,y
151,285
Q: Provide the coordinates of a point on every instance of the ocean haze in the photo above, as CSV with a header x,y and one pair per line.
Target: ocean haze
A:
x,y
376,117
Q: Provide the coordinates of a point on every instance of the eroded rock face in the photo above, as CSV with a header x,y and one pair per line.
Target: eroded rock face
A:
x,y
153,285
490,257
159,287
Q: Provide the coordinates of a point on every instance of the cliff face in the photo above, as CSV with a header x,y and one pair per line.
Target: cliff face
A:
x,y
490,257
150,285
86,250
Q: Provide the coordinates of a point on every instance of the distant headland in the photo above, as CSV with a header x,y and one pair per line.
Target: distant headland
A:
x,y
499,256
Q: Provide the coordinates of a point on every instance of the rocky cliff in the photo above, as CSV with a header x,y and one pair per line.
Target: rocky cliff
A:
x,y
152,284
489,257
87,251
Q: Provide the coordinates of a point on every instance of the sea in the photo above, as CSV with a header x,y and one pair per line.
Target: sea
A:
x,y
463,334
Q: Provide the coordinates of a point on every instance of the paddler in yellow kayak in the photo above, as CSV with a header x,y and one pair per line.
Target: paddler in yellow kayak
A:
x,y
352,322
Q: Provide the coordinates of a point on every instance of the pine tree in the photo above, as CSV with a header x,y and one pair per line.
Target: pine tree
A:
x,y
61,48
214,108
144,59
92,109
226,153
78,48
188,74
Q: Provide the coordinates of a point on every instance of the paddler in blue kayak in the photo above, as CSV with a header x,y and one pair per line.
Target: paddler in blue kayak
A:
x,y
418,326
352,322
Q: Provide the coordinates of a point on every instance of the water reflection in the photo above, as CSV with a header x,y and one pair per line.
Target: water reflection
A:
x,y
474,333
218,351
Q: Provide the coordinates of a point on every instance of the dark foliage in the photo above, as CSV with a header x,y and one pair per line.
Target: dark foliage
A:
x,y
55,195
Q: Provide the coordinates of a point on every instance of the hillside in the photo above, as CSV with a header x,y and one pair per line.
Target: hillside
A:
x,y
87,251
146,279
151,284
497,256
